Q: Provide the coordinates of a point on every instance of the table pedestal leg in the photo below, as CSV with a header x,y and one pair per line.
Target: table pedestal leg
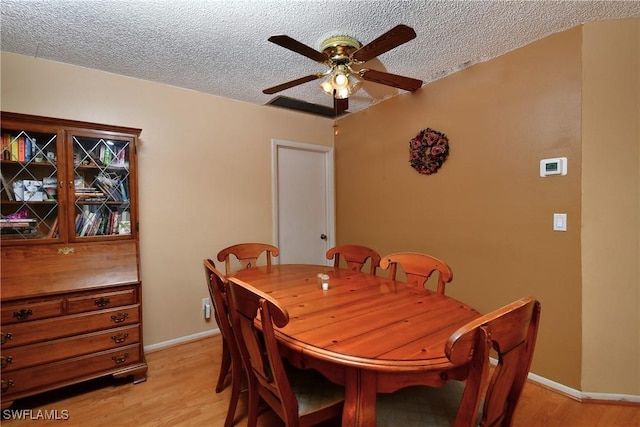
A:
x,y
360,398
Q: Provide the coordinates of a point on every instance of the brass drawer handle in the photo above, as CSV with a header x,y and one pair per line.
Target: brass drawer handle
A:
x,y
102,302
23,314
6,385
120,339
66,250
5,337
119,318
120,359
5,361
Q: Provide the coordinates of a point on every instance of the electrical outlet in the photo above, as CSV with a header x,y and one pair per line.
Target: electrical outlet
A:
x,y
206,307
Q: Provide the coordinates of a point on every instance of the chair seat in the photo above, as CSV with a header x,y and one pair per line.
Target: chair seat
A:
x,y
420,406
511,331
313,391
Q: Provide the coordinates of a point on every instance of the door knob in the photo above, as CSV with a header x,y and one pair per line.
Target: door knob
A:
x,y
323,236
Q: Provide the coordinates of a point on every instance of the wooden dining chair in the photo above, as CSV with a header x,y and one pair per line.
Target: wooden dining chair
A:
x,y
231,360
299,397
418,268
511,331
355,256
247,254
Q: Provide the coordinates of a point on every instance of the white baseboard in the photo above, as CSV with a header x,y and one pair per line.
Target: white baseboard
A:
x,y
577,394
181,340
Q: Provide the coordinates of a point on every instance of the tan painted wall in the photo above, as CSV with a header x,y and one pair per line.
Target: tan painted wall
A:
x,y
486,212
611,207
205,171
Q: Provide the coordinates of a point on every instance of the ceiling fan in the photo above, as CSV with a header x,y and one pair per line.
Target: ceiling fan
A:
x,y
341,53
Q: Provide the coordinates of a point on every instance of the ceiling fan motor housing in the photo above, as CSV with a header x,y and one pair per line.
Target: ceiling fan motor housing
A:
x,y
340,48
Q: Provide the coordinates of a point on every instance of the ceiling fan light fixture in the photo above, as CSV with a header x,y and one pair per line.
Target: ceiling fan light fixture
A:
x,y
341,82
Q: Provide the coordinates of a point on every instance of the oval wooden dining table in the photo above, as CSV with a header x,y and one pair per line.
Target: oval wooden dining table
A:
x,y
368,333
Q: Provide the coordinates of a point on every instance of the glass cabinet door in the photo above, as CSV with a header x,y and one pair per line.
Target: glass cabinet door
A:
x,y
101,189
29,179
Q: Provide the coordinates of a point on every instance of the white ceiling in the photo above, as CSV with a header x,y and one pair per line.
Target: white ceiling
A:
x,y
220,46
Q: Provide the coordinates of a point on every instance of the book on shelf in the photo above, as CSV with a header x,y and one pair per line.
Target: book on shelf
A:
x,y
17,222
5,187
21,148
53,231
114,223
93,227
90,192
87,223
33,190
6,146
14,149
108,191
120,158
27,149
111,186
78,222
123,190
6,149
106,155
124,226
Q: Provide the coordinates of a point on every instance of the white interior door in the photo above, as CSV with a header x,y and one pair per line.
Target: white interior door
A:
x,y
303,201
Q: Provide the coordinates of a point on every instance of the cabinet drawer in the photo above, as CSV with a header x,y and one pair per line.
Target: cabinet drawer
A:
x,y
101,301
31,310
65,326
25,356
69,370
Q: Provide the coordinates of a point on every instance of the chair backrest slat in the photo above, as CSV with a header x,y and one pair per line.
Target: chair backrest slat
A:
x,y
247,254
418,268
355,256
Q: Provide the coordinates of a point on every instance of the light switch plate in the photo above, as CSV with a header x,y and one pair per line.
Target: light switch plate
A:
x,y
559,222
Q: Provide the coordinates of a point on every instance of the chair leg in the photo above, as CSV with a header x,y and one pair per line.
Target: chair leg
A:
x,y
224,366
254,402
236,384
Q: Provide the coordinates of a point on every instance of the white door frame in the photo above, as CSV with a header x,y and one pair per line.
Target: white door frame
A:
x,y
329,185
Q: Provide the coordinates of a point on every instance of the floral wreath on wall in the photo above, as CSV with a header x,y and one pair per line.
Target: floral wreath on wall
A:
x,y
428,150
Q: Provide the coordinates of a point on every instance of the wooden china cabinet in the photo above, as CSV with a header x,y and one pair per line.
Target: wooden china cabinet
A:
x,y
71,289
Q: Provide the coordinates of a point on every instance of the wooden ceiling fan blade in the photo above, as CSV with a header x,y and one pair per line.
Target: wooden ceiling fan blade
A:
x,y
298,47
393,38
292,83
340,105
401,82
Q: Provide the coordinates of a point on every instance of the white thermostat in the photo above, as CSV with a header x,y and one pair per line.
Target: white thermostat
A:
x,y
557,166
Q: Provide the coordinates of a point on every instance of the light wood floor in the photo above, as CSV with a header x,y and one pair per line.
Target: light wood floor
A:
x,y
179,391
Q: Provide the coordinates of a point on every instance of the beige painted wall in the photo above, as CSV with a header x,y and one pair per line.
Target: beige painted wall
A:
x,y
205,171
487,212
611,207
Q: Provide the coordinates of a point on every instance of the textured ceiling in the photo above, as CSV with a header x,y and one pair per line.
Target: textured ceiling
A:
x,y
220,47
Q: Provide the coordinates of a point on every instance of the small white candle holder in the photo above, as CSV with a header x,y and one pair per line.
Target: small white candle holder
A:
x,y
324,280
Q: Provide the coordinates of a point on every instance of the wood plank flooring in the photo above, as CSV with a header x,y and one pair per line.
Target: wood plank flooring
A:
x,y
180,391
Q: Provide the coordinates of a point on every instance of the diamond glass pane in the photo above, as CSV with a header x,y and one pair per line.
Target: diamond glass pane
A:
x,y
29,178
101,187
